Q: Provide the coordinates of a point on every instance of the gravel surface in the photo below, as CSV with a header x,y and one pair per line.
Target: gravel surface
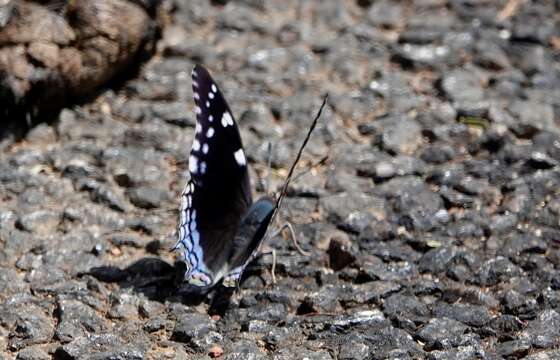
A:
x,y
433,224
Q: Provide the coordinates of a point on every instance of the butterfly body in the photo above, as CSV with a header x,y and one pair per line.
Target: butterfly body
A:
x,y
221,228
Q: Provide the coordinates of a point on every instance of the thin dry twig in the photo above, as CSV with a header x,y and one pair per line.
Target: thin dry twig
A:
x,y
509,10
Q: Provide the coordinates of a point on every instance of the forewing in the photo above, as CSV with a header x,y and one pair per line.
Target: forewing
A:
x,y
219,192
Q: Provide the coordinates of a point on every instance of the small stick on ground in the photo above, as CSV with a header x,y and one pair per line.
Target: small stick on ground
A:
x,y
509,9
293,236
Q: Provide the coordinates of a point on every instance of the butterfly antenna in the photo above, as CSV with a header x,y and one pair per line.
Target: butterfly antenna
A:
x,y
319,163
298,156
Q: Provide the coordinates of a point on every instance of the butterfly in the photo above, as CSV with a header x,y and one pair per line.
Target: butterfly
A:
x,y
221,228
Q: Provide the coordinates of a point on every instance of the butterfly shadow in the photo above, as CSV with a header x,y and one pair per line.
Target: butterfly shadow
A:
x,y
154,278
162,282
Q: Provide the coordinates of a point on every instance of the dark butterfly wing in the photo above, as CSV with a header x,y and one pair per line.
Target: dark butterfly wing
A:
x,y
249,238
256,224
219,192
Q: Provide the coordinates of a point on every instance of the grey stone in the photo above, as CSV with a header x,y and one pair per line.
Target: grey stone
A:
x,y
401,136
270,312
353,211
472,315
77,320
462,86
532,118
39,222
461,352
442,332
147,197
405,308
33,352
422,56
386,14
543,355
323,301
396,343
543,331
191,326
244,349
31,327
103,194
173,112
438,154
437,260
353,350
495,271
373,291
491,56
104,346
418,209
11,282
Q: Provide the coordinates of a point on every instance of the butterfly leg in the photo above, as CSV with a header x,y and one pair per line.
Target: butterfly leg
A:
x,y
273,268
198,278
290,228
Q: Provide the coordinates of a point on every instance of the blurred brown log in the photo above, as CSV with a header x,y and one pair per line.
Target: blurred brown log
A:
x,y
53,52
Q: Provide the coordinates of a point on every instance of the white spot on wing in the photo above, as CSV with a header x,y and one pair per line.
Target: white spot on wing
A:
x,y
214,89
195,145
195,83
207,103
203,167
227,119
198,128
210,118
193,164
210,132
210,95
197,110
205,148
240,157
196,96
